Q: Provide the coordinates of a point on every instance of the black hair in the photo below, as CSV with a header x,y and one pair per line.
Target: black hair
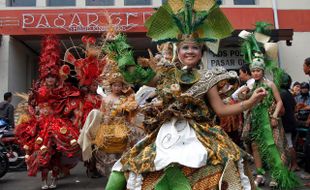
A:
x,y
246,69
286,81
296,83
304,85
7,95
307,61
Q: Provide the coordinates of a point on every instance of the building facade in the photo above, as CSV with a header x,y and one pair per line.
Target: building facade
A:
x,y
22,24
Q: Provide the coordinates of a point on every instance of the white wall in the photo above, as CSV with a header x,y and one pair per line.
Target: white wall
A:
x,y
2,3
259,4
292,57
4,65
21,64
293,4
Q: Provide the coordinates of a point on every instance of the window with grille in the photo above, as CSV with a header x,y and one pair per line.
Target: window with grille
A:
x,y
244,2
100,2
58,3
20,3
137,2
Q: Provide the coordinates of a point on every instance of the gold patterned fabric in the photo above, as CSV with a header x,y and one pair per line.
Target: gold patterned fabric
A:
x,y
139,159
220,148
204,178
230,179
208,79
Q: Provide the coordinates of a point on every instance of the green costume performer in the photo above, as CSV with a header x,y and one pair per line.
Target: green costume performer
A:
x,y
270,139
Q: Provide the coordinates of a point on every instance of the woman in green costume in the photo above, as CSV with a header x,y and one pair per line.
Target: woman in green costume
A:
x,y
184,148
267,133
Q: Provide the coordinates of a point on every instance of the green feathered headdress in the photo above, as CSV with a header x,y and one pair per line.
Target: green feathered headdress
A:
x,y
179,20
120,51
256,46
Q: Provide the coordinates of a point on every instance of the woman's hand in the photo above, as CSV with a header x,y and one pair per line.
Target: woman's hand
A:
x,y
243,93
258,95
274,122
244,90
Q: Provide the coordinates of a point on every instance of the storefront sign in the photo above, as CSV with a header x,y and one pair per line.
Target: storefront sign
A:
x,y
70,21
229,58
84,20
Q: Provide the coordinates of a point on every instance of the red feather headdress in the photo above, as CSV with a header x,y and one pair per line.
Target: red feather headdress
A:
x,y
49,58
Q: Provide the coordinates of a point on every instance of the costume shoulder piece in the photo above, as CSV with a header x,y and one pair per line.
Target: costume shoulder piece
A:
x,y
208,79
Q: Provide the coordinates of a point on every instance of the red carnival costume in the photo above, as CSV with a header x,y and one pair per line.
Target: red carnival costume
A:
x,y
88,70
51,131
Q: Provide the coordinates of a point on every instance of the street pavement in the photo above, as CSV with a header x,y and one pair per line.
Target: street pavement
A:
x,y
18,180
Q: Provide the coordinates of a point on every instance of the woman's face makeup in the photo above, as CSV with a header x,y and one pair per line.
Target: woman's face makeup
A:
x,y
257,74
189,54
117,88
50,81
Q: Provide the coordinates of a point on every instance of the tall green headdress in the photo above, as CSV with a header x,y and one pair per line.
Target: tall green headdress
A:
x,y
175,21
259,52
179,20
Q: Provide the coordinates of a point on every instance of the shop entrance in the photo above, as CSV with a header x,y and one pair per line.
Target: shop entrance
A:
x,y
23,54
30,47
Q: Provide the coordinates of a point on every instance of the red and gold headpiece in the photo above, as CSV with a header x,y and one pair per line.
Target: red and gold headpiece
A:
x,y
50,57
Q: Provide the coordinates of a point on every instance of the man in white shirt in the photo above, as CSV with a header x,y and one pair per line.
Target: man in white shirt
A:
x,y
246,78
